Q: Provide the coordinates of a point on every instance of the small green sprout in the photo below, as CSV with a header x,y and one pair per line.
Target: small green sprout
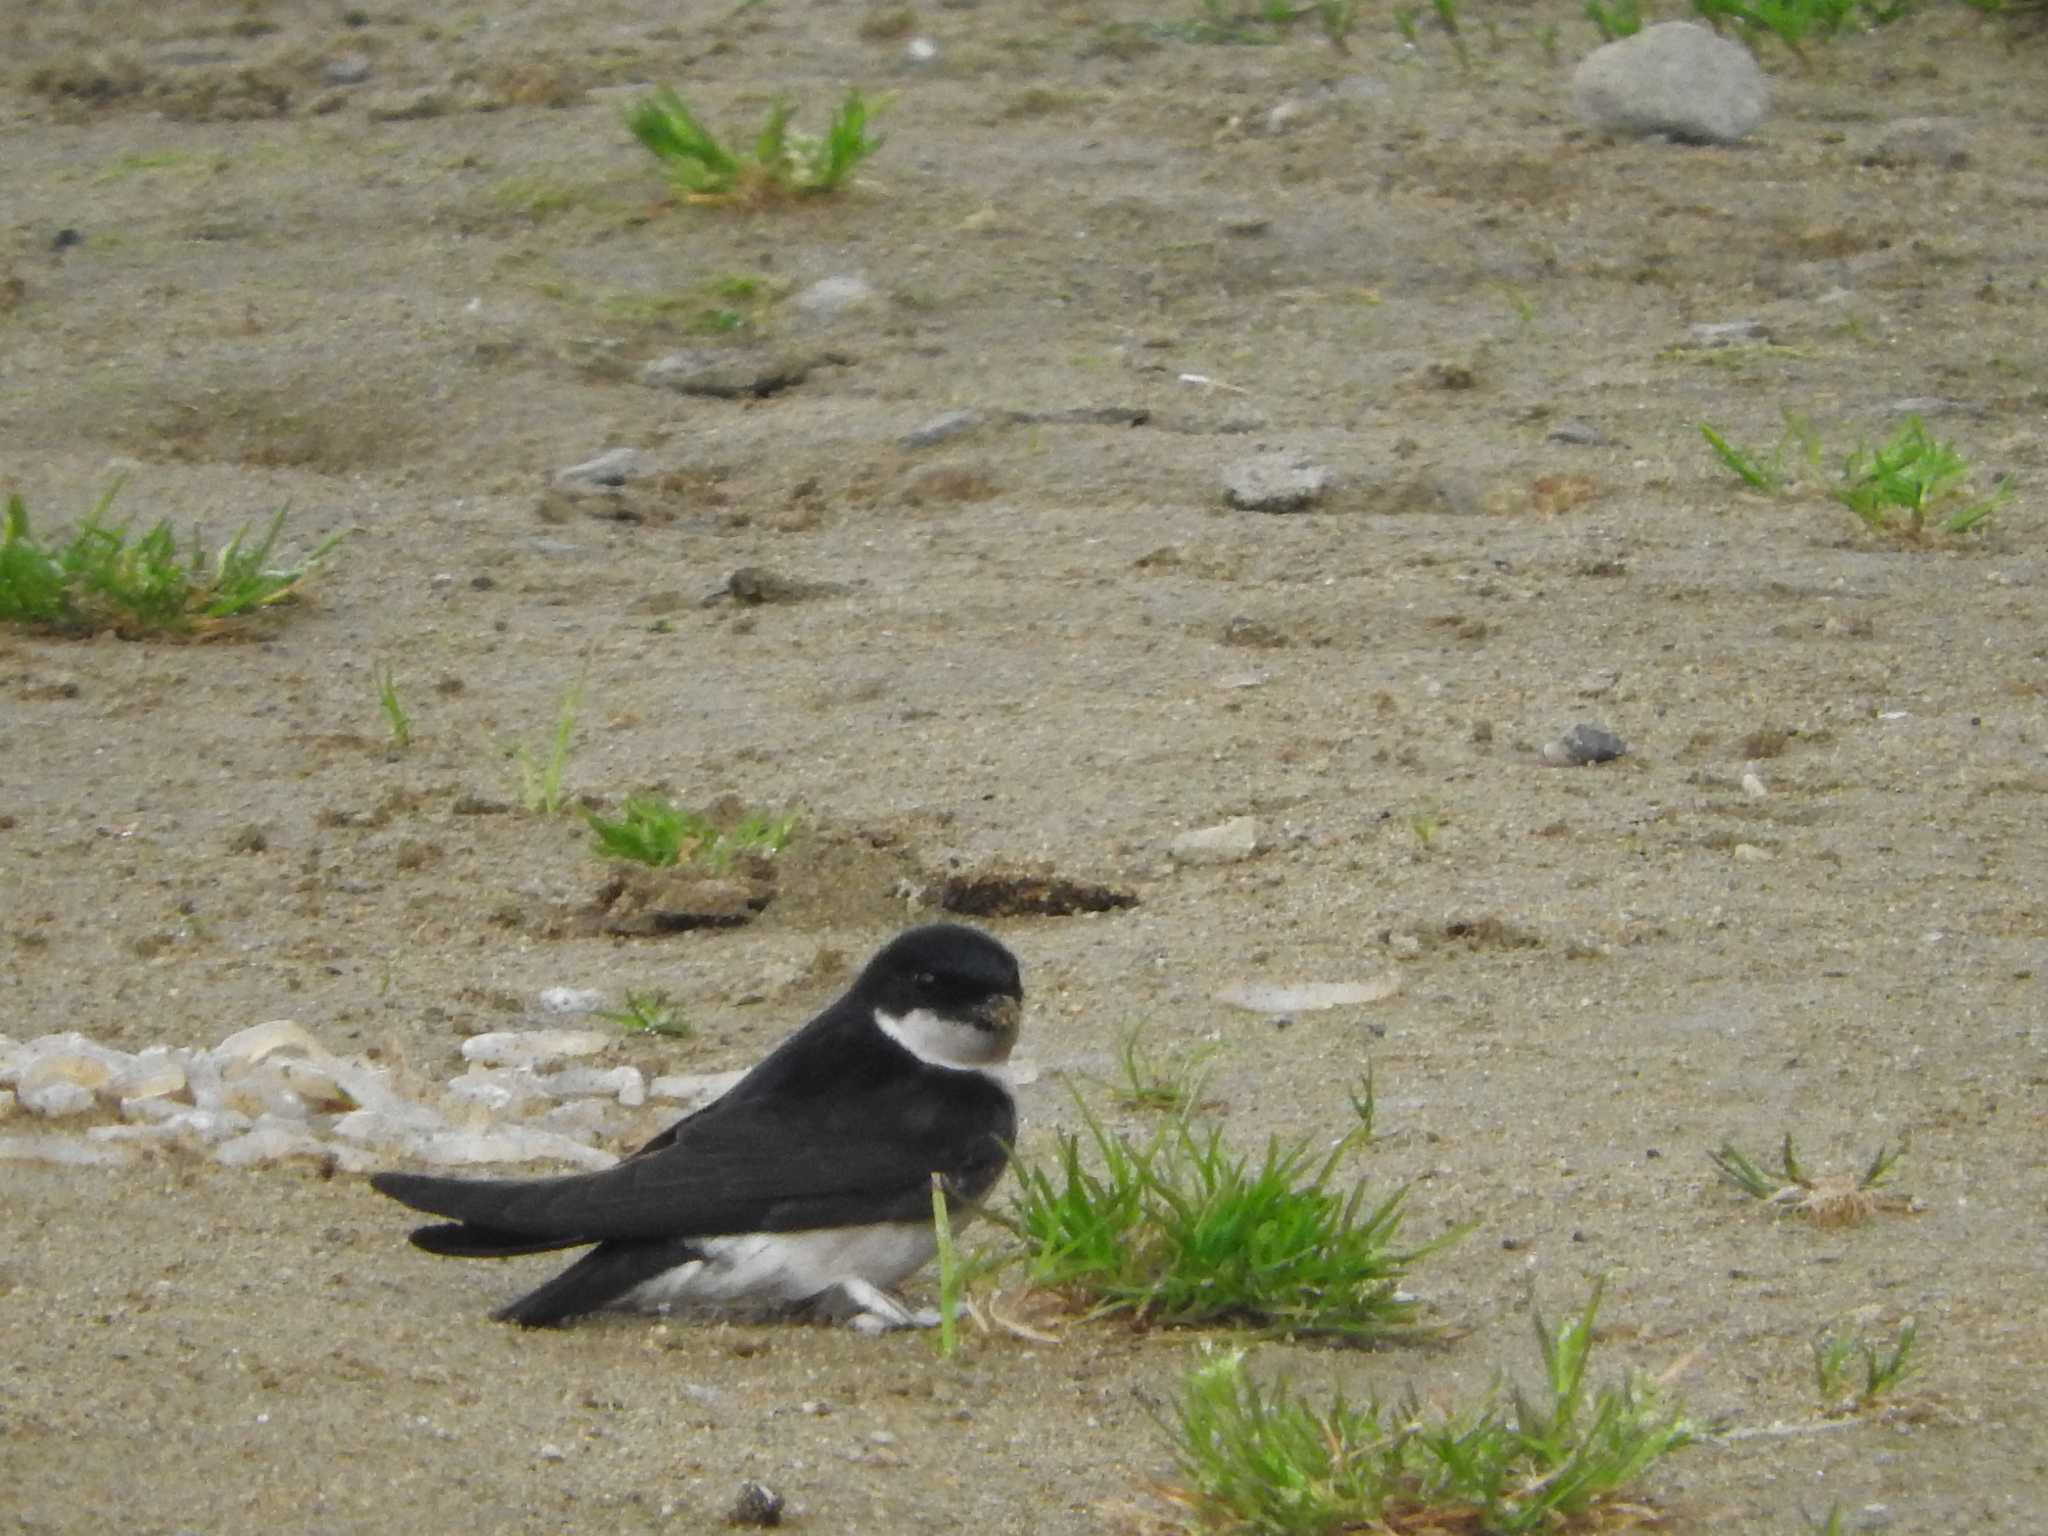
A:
x,y
540,783
949,1270
1884,1366
1337,18
394,712
1365,1108
1146,1081
1768,475
780,164
1759,474
651,1013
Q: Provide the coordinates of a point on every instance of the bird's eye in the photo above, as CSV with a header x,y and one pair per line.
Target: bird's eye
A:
x,y
924,979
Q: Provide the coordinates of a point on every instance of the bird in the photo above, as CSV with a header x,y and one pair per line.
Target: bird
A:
x,y
807,1186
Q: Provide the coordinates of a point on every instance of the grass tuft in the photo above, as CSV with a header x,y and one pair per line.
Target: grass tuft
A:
x,y
1835,1355
1178,1230
1795,23
1167,1085
1910,485
654,830
104,578
780,164
1768,475
540,781
1267,1460
1828,1199
1619,19
1912,480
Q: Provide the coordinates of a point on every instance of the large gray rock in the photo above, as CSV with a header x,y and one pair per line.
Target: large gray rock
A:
x,y
1674,79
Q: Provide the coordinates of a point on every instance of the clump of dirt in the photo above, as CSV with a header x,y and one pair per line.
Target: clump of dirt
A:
x,y
641,903
1028,891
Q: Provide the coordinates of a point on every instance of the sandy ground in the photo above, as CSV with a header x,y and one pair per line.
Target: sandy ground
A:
x,y
399,305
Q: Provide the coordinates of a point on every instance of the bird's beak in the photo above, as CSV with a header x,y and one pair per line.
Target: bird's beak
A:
x,y
1000,1017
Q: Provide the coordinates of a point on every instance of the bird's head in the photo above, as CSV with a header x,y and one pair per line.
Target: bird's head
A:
x,y
948,994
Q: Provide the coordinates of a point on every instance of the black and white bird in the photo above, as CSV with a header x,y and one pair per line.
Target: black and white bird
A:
x,y
808,1183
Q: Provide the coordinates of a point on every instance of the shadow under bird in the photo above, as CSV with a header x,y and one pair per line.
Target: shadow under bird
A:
x,y
809,1183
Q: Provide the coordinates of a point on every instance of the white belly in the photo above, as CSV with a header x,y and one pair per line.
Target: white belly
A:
x,y
778,1268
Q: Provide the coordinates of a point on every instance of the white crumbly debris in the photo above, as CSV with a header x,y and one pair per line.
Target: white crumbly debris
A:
x,y
532,1047
272,1093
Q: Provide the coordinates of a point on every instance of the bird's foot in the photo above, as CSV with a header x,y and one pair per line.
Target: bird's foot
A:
x,y
867,1308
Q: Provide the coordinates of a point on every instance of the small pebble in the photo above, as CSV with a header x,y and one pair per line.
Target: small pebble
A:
x,y
949,425
758,1505
1728,333
529,1047
1310,996
1584,744
571,1000
831,297
607,471
1225,843
348,69
1274,483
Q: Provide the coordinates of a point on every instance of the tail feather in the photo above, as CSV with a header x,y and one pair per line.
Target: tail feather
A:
x,y
479,1202
594,1281
458,1240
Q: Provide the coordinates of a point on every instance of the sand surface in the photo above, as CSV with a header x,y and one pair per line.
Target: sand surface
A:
x,y
399,306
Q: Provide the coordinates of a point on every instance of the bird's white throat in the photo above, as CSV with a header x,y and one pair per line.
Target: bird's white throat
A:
x,y
942,1042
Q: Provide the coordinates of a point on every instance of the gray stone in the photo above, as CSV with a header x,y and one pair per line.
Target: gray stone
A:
x,y
831,297
1308,996
407,106
348,69
1674,79
728,374
607,471
1274,483
1933,405
1935,141
1728,333
939,429
1225,843
758,1506
1584,744
570,1000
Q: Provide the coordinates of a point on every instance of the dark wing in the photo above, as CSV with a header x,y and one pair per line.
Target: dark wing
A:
x,y
864,1154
